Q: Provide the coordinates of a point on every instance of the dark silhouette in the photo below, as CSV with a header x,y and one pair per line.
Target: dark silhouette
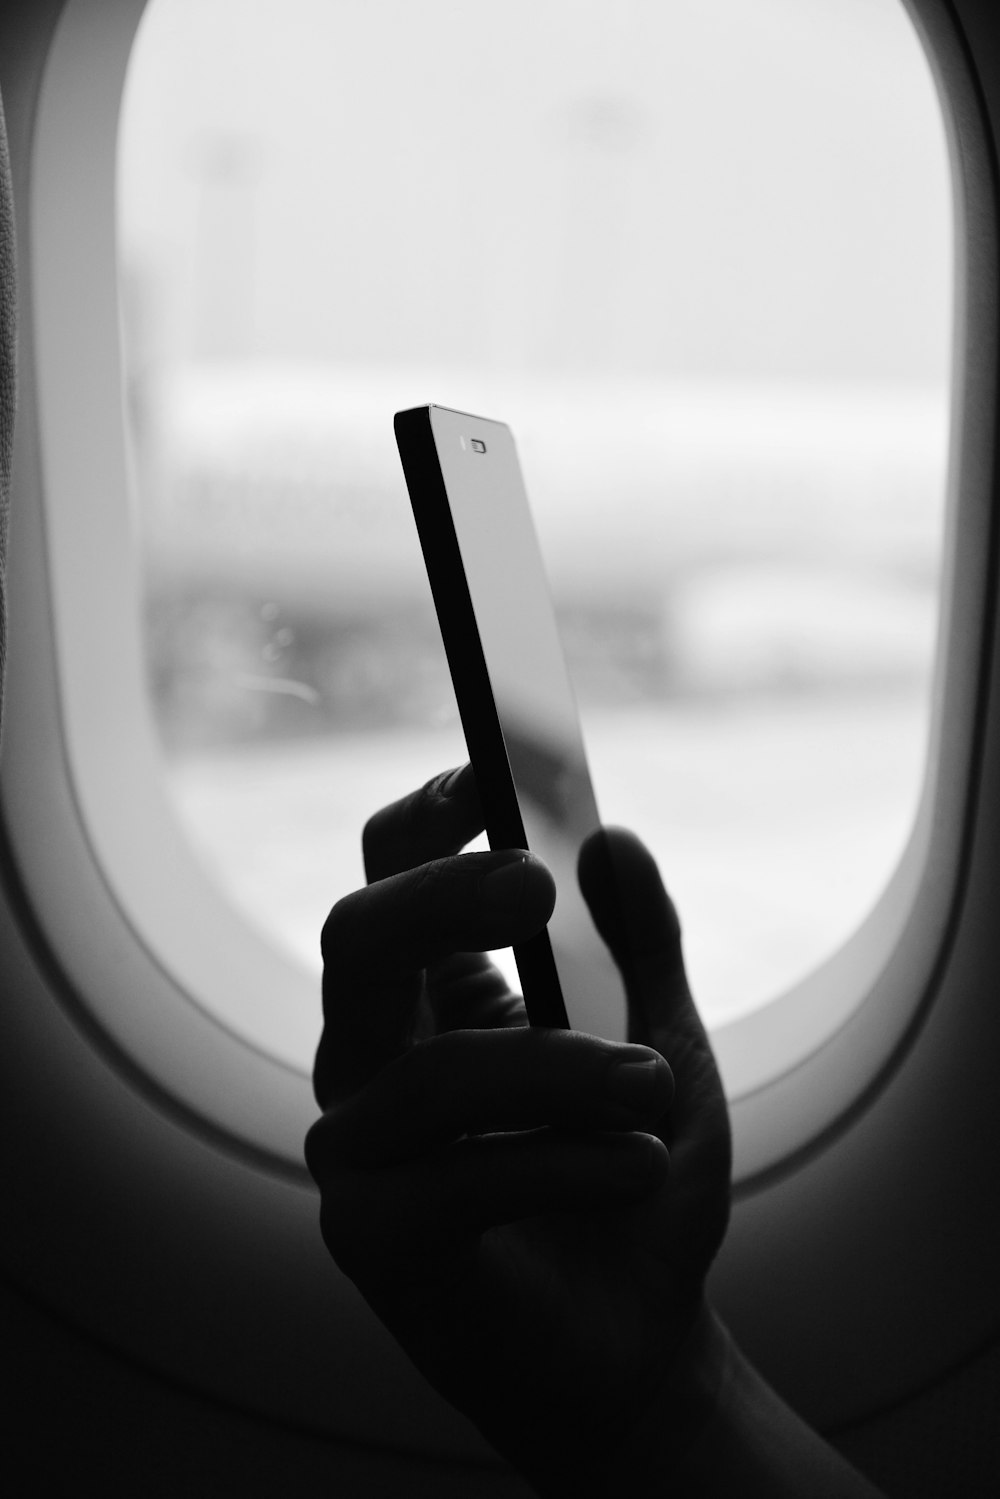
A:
x,y
532,1213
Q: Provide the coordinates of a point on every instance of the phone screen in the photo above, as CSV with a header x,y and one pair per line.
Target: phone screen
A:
x,y
528,680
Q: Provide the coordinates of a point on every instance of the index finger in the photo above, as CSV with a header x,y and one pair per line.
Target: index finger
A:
x,y
438,819
435,821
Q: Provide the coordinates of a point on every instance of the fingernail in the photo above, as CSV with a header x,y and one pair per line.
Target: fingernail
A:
x,y
502,889
638,1085
644,1162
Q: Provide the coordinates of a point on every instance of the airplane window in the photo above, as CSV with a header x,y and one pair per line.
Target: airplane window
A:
x,y
698,255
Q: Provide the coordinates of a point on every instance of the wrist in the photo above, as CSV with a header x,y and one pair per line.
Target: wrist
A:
x,y
667,1436
754,1444
660,1438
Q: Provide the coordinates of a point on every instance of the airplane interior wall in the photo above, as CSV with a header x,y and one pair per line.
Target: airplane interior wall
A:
x,y
79,1416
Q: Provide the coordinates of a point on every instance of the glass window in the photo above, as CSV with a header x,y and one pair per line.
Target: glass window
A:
x,y
698,255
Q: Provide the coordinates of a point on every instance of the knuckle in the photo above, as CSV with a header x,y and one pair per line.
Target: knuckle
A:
x,y
313,1155
320,1152
322,1072
342,1226
339,927
473,1183
344,1211
376,830
416,1083
392,833
398,1097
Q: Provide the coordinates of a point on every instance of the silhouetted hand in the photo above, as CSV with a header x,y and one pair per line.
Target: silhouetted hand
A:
x,y
503,1197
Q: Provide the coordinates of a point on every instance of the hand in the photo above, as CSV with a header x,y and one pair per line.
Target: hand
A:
x,y
502,1196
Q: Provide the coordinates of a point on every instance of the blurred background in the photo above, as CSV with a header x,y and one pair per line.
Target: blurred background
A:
x,y
698,253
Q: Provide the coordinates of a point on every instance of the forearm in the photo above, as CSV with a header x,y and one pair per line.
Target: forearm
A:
x,y
757,1447
717,1432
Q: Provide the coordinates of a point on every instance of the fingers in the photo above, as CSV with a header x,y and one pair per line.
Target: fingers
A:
x,y
387,1225
468,903
440,818
637,919
378,941
478,1082
479,1128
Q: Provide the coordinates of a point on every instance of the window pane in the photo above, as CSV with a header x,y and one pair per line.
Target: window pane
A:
x,y
699,256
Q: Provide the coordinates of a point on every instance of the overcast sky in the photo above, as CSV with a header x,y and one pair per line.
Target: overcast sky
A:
x,y
672,187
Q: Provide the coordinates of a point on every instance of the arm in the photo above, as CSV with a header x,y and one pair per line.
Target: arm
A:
x,y
533,1213
743,1439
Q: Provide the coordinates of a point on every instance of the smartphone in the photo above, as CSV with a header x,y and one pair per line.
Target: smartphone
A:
x,y
514,693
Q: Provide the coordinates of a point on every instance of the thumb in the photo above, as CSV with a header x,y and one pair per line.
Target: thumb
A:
x,y
637,919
